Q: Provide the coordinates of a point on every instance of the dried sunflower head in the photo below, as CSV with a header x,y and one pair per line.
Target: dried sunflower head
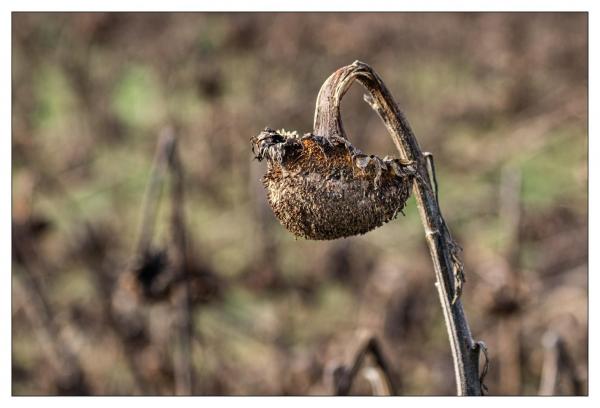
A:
x,y
325,188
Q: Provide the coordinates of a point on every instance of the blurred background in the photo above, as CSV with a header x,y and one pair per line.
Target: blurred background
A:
x,y
147,266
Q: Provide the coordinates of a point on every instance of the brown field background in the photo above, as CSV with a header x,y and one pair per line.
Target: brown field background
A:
x,y
499,99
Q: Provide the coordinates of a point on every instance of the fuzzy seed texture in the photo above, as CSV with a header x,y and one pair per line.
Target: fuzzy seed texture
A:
x,y
323,188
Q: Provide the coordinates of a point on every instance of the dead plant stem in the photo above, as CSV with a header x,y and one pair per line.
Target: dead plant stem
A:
x,y
465,351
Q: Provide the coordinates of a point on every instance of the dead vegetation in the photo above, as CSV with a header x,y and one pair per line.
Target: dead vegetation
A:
x,y
500,98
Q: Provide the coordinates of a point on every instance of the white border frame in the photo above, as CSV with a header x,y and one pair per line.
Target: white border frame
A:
x,y
305,5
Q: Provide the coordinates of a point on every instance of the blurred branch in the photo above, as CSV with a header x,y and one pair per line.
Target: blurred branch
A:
x,y
100,274
160,165
510,215
344,377
508,301
443,249
184,373
557,362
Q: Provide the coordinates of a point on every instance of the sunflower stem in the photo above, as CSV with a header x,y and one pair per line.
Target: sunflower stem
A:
x,y
443,249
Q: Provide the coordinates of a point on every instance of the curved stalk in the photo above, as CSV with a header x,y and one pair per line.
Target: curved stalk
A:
x,y
443,250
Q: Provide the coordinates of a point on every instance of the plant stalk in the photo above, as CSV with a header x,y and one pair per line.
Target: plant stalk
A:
x,y
443,250
184,324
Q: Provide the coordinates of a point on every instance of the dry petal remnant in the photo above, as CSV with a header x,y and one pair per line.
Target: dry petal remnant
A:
x,y
324,188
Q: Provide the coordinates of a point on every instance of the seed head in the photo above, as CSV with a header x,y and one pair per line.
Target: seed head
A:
x,y
324,188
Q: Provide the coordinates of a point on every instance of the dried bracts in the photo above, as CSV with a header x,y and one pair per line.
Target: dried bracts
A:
x,y
325,188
